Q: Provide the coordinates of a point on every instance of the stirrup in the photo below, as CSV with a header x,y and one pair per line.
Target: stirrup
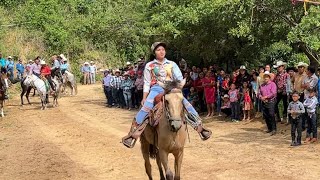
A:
x,y
204,136
131,139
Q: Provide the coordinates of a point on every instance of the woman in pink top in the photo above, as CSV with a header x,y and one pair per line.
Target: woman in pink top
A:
x,y
209,92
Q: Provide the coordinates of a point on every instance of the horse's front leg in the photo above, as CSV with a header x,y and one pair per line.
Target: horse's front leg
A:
x,y
160,167
145,148
164,160
2,114
177,164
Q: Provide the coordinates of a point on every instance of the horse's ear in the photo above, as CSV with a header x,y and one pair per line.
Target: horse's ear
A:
x,y
181,84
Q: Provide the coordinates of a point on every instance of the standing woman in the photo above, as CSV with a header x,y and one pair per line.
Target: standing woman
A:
x,y
160,70
198,85
209,92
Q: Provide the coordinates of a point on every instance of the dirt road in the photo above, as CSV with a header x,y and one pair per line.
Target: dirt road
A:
x,y
80,139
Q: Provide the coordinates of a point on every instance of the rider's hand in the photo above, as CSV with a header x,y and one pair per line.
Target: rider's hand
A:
x,y
142,102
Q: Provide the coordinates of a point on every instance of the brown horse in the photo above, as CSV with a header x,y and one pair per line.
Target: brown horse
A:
x,y
3,88
168,137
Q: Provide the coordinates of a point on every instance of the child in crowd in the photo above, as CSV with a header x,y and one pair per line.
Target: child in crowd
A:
x,y
225,84
247,102
234,102
311,104
226,109
193,97
295,111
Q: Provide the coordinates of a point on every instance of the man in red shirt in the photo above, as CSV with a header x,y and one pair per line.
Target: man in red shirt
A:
x,y
46,72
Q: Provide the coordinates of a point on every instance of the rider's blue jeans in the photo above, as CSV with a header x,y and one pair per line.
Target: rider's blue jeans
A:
x,y
148,104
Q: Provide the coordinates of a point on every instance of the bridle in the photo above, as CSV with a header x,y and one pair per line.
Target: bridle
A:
x,y
167,111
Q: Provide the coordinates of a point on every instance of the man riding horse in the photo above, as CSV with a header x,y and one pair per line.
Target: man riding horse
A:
x,y
46,73
160,70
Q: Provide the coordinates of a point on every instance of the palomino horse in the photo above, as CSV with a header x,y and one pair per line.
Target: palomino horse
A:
x,y
168,137
3,87
69,80
39,84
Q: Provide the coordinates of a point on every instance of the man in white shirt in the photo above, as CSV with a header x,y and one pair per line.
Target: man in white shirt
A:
x,y
93,71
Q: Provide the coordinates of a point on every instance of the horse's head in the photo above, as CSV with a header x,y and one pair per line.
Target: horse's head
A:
x,y
173,103
29,79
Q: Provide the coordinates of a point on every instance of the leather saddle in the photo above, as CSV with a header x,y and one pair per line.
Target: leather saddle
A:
x,y
157,111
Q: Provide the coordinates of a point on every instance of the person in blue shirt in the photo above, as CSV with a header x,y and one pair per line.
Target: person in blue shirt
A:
x,y
3,64
64,66
159,71
20,69
10,66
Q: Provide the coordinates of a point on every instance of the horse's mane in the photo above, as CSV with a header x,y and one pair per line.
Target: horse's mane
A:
x,y
170,85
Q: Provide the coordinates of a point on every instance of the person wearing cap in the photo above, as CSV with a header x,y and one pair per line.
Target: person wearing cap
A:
x,y
107,88
298,79
115,84
126,86
160,69
93,72
85,71
139,88
243,76
10,67
20,69
281,82
46,73
268,96
226,107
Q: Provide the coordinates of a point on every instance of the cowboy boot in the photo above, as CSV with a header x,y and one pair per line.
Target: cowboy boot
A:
x,y
135,131
196,123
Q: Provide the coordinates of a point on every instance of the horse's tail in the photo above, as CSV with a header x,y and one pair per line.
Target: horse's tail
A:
x,y
153,151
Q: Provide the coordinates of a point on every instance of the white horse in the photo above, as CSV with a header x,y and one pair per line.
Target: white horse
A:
x,y
69,80
4,85
57,92
39,84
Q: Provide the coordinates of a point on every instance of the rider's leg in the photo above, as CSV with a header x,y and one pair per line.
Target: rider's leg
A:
x,y
51,83
138,126
195,121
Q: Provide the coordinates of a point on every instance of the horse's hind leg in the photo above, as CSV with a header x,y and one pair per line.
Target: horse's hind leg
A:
x,y
164,161
145,147
177,165
160,167
21,96
2,114
27,94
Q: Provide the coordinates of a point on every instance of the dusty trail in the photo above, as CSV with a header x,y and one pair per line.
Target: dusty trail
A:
x,y
80,139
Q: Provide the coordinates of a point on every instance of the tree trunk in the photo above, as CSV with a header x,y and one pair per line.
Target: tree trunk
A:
x,y
313,56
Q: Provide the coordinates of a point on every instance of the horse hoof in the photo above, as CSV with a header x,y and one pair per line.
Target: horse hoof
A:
x,y
169,175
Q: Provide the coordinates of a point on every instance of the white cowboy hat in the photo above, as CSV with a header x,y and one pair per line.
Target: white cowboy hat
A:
x,y
42,62
279,63
91,62
9,57
117,70
126,74
128,63
267,73
63,57
302,64
30,60
86,63
243,67
226,96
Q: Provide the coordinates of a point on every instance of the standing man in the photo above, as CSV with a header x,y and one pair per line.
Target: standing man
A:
x,y
93,72
268,96
281,82
310,82
107,88
20,69
115,84
10,67
85,71
298,79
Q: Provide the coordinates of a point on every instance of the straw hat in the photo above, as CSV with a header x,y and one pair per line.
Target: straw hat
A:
x,y
243,67
86,63
91,62
279,63
63,57
117,70
302,64
226,96
267,73
9,57
42,62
